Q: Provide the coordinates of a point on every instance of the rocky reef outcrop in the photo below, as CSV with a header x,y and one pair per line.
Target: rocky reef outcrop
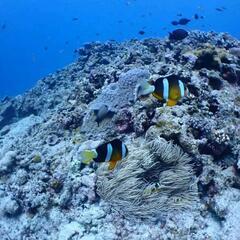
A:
x,y
47,193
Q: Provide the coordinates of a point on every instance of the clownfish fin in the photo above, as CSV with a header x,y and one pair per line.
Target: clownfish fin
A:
x,y
157,96
112,165
145,88
87,156
187,93
171,102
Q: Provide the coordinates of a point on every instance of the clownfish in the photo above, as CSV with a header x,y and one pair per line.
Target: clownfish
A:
x,y
111,152
171,90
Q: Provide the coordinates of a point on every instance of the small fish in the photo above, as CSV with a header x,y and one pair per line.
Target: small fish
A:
x,y
46,48
178,34
196,16
171,90
102,113
174,23
144,88
111,152
141,32
220,9
75,19
184,21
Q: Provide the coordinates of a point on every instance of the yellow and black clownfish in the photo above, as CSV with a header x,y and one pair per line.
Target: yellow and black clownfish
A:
x,y
111,152
170,90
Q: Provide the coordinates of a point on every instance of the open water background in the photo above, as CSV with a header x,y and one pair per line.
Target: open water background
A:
x,y
38,37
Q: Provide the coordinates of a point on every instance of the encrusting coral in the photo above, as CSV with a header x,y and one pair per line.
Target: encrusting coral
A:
x,y
154,180
210,57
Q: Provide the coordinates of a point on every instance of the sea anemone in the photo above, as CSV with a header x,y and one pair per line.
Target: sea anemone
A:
x,y
155,179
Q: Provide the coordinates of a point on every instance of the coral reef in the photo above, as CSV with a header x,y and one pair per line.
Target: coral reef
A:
x,y
115,97
180,158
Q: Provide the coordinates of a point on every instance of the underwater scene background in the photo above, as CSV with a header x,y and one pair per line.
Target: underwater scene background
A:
x,y
38,37
119,120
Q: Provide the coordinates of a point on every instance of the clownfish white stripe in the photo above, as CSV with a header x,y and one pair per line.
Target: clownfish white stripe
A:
x,y
165,89
181,86
95,153
109,152
124,151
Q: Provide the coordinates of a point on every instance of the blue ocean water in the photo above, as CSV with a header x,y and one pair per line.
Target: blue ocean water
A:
x,y
38,37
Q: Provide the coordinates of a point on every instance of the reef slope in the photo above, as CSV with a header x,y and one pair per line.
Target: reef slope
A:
x,y
45,192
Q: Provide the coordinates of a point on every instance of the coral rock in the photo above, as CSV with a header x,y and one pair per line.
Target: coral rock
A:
x,y
10,207
7,161
67,231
